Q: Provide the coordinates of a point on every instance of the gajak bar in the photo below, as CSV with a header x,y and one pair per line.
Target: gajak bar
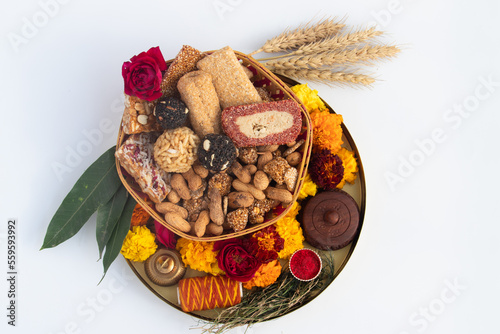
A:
x,y
184,62
231,83
198,93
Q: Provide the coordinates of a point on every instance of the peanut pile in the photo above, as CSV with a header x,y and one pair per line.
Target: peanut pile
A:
x,y
203,203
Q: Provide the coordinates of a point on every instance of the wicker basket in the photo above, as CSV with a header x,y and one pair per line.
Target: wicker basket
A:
x,y
279,91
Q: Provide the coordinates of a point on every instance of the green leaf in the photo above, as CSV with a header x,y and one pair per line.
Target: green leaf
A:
x,y
94,188
120,231
107,217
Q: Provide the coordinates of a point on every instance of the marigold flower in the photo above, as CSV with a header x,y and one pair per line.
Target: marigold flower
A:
x,y
309,98
326,169
327,132
199,255
265,244
139,216
139,244
350,166
266,275
289,229
309,188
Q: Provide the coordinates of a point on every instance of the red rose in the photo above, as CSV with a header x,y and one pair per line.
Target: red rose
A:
x,y
235,260
165,236
142,74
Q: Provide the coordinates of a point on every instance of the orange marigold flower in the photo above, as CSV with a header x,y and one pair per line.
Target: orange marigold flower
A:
x,y
266,275
327,132
139,216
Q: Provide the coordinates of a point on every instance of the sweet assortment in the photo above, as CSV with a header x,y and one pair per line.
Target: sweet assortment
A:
x,y
221,154
219,143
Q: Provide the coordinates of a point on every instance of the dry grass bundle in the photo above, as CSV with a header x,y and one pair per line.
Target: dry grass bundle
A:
x,y
314,52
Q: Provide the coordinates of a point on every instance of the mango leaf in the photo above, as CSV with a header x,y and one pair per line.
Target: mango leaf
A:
x,y
107,217
94,188
120,231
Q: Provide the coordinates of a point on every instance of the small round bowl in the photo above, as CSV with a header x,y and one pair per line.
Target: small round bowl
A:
x,y
305,264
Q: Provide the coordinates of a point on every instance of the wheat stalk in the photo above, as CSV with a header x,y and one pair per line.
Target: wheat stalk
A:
x,y
337,42
326,76
367,53
304,34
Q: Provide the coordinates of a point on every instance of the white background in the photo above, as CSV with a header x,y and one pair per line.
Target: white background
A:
x,y
435,227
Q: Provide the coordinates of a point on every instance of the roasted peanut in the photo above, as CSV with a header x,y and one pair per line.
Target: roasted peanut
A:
x,y
177,221
200,170
173,197
251,169
264,159
165,207
261,180
215,206
214,229
178,183
193,179
240,199
294,158
267,148
241,173
282,195
256,193
201,223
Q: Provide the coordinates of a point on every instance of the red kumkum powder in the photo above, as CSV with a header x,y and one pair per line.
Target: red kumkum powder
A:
x,y
305,264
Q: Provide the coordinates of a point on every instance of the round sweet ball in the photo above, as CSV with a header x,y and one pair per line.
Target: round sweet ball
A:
x,y
171,112
216,152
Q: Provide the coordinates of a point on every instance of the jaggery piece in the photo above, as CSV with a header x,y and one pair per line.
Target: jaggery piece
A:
x,y
198,93
138,116
184,62
231,83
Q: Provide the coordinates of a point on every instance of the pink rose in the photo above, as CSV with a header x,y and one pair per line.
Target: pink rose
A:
x,y
234,259
143,74
165,236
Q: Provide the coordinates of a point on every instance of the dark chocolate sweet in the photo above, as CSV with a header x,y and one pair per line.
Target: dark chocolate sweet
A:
x,y
216,152
171,112
330,220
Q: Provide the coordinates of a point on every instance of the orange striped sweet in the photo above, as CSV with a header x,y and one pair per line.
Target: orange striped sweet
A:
x,y
208,292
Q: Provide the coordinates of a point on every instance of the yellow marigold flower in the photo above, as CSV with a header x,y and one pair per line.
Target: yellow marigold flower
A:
x,y
327,132
266,275
309,97
139,244
350,166
199,255
289,229
309,188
